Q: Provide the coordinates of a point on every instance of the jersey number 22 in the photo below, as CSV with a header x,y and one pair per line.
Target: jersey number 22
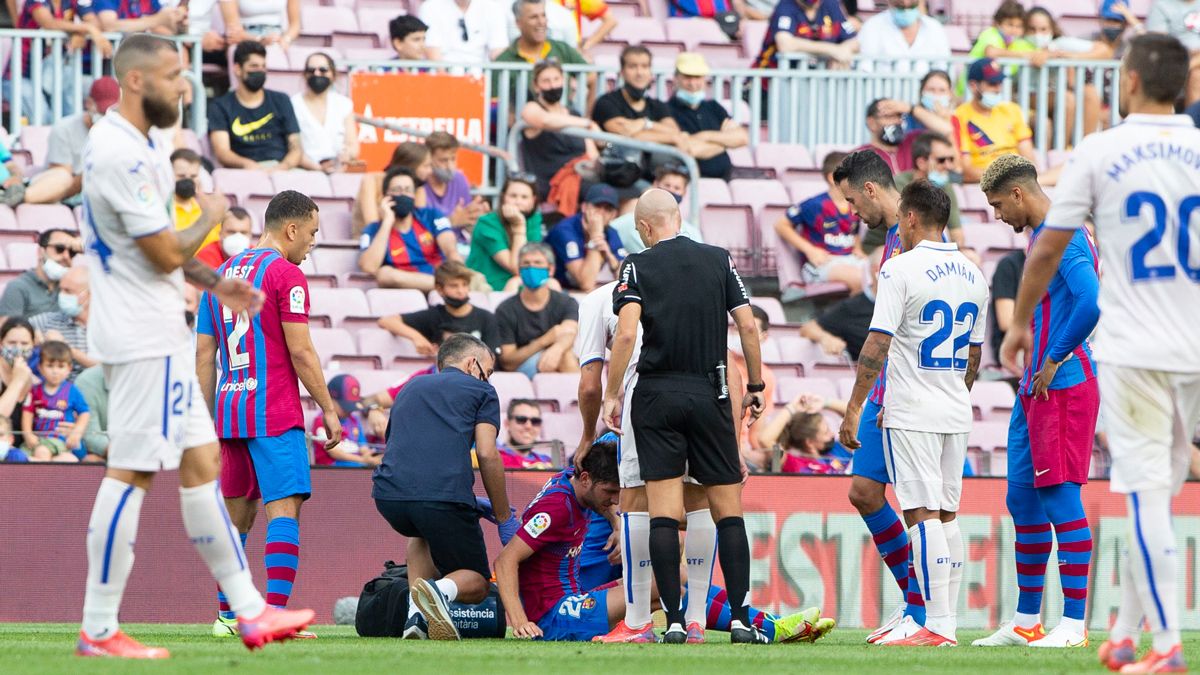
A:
x,y
966,314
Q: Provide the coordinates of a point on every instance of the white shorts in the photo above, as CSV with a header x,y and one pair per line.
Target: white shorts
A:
x,y
1150,417
155,412
925,468
815,275
629,470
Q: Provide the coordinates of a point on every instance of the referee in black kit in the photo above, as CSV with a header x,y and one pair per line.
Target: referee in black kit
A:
x,y
681,291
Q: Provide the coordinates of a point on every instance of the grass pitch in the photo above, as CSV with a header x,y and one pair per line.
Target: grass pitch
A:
x,y
48,648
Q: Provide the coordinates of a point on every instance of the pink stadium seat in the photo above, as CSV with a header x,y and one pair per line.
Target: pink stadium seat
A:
x,y
331,342
958,38
336,223
804,189
511,385
21,255
387,347
4,262
714,191
565,427
993,399
664,49
311,183
371,382
773,308
369,53
562,388
788,388
728,227
376,19
8,219
345,184
782,156
335,261
41,217
276,59
37,141
241,183
344,41
693,30
722,55
753,34
497,297
989,436
971,197
742,158
758,193
989,237
638,30
338,303
823,149
317,20
387,301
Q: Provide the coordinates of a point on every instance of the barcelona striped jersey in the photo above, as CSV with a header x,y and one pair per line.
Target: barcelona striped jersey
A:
x,y
554,526
891,249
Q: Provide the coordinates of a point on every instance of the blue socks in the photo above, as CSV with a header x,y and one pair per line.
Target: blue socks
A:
x,y
222,601
1065,508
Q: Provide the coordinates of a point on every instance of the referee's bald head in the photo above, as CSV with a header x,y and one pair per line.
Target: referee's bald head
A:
x,y
657,216
137,52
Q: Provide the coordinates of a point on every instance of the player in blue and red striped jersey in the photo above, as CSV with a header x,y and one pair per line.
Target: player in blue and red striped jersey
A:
x,y
867,183
538,572
256,399
1054,421
824,231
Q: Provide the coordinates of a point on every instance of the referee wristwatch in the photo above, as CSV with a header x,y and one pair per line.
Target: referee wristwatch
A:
x,y
756,388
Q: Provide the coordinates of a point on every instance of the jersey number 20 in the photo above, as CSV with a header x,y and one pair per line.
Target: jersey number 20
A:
x,y
1139,270
950,318
241,327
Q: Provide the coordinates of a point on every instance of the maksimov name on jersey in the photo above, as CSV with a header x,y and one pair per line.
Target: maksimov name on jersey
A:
x,y
1154,150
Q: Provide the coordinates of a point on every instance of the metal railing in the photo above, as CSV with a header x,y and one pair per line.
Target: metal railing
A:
x,y
515,137
57,81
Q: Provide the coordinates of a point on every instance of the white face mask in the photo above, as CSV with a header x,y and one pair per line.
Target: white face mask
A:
x,y
235,244
54,271
69,304
1042,40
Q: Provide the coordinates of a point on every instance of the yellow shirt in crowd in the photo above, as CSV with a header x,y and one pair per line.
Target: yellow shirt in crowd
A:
x,y
186,215
984,136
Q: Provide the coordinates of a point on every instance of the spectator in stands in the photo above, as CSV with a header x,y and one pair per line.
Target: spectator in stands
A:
x,y
92,386
68,323
358,448
989,125
186,165
8,453
1044,31
63,179
749,428
51,403
674,179
533,44
842,328
544,151
328,132
586,243
408,38
823,231
253,127
408,155
36,290
464,31
538,325
235,236
1005,38
818,28
707,10
18,358
1180,18
426,328
935,109
403,249
885,123
710,131
933,160
500,235
592,10
267,21
55,15
560,24
1005,281
12,179
803,435
903,40
447,189
524,422
122,16
628,111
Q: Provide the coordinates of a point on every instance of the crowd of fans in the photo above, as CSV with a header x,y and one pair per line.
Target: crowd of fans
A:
x,y
561,227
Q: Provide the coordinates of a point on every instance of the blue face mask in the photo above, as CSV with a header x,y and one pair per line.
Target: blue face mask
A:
x,y
991,99
931,102
690,98
904,18
534,278
938,178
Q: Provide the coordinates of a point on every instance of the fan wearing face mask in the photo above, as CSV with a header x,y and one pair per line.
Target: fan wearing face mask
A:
x,y
328,132
989,125
631,110
253,127
235,237
426,328
403,249
186,165
889,140
448,190
904,39
36,290
68,323
802,434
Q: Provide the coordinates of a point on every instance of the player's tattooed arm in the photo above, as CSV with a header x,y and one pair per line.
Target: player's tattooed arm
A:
x,y
870,361
200,274
974,354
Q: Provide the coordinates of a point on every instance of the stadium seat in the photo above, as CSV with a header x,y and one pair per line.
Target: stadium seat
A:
x,y
742,158
497,297
371,382
638,30
691,31
345,184
758,193
21,255
781,157
387,347
564,427
788,388
8,218
989,237
772,307
336,261
336,223
42,217
376,19
374,54
387,301
311,183
823,149
753,34
994,400
241,183
730,227
338,303
714,191
325,21
722,55
333,342
560,388
298,54
511,385
664,49
806,188
988,436
36,139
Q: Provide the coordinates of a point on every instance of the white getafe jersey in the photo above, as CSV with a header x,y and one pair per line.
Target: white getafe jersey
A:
x,y
1141,182
933,302
597,326
136,311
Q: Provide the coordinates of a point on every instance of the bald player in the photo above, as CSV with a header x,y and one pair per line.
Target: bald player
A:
x,y
157,417
681,293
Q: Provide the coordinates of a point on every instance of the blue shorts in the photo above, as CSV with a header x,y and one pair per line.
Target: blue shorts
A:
x,y
1020,456
868,460
577,618
594,568
270,467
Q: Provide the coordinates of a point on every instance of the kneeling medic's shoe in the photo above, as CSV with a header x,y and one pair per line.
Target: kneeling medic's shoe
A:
x,y
273,625
1061,637
223,627
416,628
119,646
1117,655
432,604
622,632
1010,635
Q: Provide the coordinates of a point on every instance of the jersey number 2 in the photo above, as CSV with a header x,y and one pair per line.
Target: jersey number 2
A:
x,y
1139,270
966,315
241,326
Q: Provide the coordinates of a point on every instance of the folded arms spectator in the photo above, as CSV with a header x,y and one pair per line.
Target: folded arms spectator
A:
x,y
544,151
538,325
403,249
328,132
628,111
253,127
709,130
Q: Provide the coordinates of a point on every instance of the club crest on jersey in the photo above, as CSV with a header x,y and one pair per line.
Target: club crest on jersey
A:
x,y
145,193
589,602
296,300
538,524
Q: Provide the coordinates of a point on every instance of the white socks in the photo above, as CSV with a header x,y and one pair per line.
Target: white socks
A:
x,y
931,554
958,554
1129,613
699,549
216,540
448,589
1026,620
635,563
1153,561
111,533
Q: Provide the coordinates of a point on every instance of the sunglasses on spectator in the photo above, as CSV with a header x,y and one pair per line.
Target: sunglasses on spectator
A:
x,y
317,69
63,248
522,419
942,160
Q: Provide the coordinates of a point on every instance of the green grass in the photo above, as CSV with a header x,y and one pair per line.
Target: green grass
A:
x,y
47,648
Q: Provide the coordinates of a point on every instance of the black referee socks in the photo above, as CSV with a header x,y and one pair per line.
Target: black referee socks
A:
x,y
664,558
733,550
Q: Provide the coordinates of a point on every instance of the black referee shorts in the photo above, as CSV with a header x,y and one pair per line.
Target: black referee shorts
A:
x,y
681,425
451,530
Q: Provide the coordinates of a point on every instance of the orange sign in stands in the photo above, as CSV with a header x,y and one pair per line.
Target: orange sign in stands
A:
x,y
425,101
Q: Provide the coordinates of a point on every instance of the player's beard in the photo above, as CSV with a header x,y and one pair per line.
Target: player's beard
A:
x,y
159,111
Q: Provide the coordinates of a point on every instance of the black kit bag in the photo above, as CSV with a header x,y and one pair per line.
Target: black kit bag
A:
x,y
383,608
